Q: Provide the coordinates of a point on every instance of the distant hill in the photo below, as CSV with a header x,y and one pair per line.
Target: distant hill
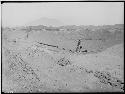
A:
x,y
45,21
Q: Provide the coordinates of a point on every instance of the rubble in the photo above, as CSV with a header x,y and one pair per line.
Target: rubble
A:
x,y
63,62
106,78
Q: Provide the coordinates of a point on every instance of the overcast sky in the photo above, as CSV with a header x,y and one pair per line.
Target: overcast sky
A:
x,y
77,13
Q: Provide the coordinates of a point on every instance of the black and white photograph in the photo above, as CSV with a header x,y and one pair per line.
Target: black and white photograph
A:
x,y
62,47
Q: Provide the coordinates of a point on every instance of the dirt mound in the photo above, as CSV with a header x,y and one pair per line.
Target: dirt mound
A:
x,y
116,50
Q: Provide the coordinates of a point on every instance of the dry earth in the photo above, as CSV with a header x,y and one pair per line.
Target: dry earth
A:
x,y
46,61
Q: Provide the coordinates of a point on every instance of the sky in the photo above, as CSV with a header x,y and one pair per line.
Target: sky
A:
x,y
70,13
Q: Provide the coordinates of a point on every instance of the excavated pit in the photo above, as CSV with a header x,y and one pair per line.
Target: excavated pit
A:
x,y
46,61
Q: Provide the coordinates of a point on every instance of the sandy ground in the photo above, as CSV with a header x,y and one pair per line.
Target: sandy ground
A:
x,y
29,67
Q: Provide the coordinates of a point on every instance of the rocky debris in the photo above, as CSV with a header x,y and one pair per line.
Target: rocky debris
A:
x,y
20,72
28,80
63,62
78,69
106,78
115,82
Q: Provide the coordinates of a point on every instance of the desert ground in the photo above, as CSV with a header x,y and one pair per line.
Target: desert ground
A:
x,y
63,59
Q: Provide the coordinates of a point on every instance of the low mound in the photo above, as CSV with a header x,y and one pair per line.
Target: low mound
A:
x,y
116,50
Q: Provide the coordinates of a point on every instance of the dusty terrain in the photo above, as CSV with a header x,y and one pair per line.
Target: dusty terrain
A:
x,y
63,59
